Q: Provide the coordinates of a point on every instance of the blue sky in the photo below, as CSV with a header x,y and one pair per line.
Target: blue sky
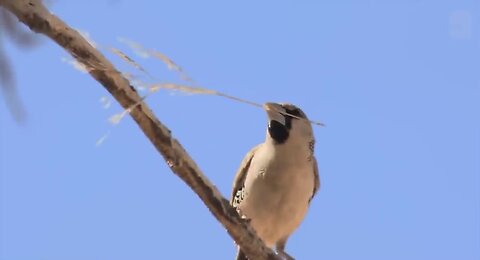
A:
x,y
397,84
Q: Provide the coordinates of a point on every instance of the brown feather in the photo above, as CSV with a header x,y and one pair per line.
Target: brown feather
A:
x,y
240,177
316,187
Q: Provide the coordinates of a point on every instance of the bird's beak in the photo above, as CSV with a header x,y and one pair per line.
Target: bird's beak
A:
x,y
273,108
274,111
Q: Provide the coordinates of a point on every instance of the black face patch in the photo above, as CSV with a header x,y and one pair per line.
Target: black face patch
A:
x,y
278,131
294,111
288,122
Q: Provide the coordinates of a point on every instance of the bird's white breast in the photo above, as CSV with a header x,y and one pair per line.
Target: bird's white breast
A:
x,y
278,187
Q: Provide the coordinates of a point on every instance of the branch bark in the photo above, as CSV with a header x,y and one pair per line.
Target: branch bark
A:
x,y
35,15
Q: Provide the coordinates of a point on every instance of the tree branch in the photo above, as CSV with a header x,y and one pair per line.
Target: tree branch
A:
x,y
35,15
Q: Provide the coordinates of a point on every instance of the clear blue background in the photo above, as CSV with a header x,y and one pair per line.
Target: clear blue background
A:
x,y
396,82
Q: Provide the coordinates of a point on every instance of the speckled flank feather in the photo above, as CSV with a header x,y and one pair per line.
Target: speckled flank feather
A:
x,y
238,191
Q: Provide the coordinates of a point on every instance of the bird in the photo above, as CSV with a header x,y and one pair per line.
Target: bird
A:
x,y
278,178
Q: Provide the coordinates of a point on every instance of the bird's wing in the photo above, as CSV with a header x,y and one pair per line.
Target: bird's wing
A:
x,y
316,178
238,183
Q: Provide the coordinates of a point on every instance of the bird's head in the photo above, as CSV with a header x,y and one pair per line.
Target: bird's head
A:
x,y
287,122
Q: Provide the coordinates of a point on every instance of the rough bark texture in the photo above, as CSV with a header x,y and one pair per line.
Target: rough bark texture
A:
x,y
34,14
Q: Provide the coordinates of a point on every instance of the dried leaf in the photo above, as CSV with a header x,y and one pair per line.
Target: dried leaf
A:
x,y
137,48
144,53
128,60
102,139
